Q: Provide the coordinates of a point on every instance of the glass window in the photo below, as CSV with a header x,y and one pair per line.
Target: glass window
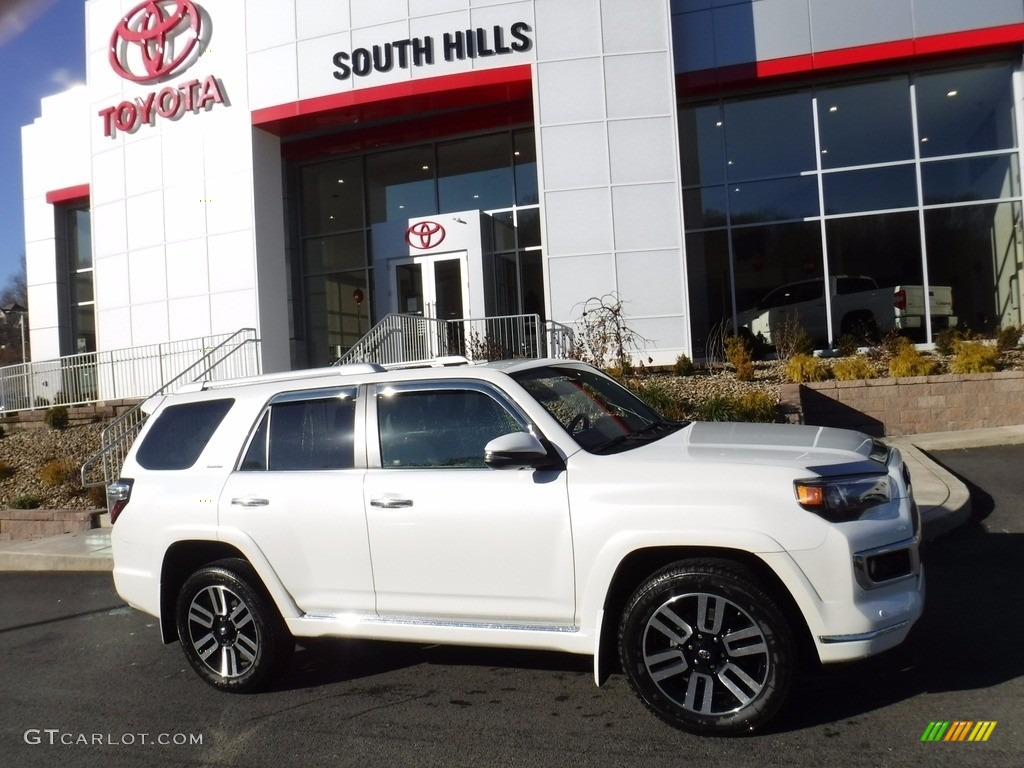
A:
x,y
865,123
885,247
334,254
967,179
475,174
79,240
774,200
707,269
180,433
965,110
332,197
440,428
976,250
769,136
400,184
702,144
524,161
704,207
871,189
337,314
305,435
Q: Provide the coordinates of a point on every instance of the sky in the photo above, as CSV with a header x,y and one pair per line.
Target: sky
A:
x,y
42,52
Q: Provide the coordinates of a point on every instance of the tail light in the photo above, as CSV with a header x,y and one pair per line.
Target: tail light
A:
x,y
899,299
118,494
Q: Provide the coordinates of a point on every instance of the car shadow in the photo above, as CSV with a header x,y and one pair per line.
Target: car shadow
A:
x,y
325,661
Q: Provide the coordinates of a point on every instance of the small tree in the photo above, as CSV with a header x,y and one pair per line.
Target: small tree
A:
x,y
602,337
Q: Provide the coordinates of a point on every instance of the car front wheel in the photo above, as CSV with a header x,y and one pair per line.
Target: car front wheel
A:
x,y
706,649
229,628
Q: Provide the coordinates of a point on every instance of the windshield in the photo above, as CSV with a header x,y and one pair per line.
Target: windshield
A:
x,y
600,414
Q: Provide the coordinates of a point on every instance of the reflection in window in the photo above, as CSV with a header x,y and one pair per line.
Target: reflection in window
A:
x,y
966,110
305,435
440,428
893,186
475,174
767,257
775,200
702,144
885,247
332,197
977,178
770,136
400,184
976,249
854,131
524,161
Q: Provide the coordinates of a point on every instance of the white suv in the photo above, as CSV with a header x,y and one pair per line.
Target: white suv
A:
x,y
529,504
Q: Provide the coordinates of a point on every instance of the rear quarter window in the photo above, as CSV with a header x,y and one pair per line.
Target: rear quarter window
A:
x,y
180,433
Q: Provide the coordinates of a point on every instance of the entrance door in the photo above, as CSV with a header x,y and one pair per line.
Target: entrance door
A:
x,y
432,286
435,288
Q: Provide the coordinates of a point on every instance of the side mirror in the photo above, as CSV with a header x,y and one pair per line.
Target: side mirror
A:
x,y
516,450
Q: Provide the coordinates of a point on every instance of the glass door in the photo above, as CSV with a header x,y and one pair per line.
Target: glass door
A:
x,y
435,288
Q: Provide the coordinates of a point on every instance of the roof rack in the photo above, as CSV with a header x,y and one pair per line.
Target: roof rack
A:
x,y
349,369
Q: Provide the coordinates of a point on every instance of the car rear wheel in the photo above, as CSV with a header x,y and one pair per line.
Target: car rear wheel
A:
x,y
706,649
229,628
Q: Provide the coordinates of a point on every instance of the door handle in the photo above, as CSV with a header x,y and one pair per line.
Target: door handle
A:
x,y
249,501
390,503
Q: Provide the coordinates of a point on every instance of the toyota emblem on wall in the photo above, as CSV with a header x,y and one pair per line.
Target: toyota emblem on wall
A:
x,y
156,39
424,234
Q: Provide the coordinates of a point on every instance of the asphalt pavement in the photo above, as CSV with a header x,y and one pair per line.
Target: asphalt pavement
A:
x,y
943,499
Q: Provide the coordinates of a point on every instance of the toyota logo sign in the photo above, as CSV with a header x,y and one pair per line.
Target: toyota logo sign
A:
x,y
155,39
424,235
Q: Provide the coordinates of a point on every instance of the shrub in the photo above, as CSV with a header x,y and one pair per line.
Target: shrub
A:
x,y
1008,337
97,494
738,353
847,345
791,338
57,417
716,408
27,501
56,473
756,407
6,470
853,369
684,366
946,340
909,362
661,399
802,368
974,357
3,432
894,343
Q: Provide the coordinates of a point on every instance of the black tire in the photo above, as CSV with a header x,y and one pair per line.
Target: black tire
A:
x,y
706,649
229,628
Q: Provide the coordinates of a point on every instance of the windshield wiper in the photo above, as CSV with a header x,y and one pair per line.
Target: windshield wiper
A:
x,y
642,433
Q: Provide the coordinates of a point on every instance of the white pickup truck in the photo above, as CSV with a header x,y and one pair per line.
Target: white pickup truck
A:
x,y
859,306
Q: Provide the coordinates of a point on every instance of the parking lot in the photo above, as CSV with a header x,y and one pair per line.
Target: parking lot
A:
x,y
86,682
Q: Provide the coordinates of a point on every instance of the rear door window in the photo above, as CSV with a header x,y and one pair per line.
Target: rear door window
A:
x,y
180,433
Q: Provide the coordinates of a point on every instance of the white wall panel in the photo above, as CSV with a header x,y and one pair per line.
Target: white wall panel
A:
x,y
145,220
231,311
938,17
113,327
231,262
315,73
147,275
570,91
579,221
642,150
229,203
108,176
368,14
142,163
109,229
149,323
577,156
273,77
185,210
775,40
647,216
320,18
636,85
268,23
188,318
574,279
568,29
653,281
624,30
187,268
110,276
844,24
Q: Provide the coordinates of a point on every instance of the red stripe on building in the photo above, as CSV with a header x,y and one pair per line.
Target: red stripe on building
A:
x,y
79,192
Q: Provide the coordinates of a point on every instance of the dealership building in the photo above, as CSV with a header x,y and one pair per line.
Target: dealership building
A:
x,y
307,168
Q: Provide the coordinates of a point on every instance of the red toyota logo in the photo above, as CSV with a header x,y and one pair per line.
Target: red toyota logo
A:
x,y
154,39
424,235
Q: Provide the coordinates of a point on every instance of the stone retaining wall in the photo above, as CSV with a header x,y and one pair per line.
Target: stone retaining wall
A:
x,y
889,407
77,414
36,523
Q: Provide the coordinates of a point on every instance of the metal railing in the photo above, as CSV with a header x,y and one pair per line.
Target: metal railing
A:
x,y
234,356
400,338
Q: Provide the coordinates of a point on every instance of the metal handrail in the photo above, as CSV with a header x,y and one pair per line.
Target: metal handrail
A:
x,y
117,437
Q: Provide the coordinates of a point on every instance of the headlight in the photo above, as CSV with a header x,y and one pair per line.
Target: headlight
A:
x,y
843,499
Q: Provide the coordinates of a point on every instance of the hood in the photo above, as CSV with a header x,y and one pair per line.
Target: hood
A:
x,y
823,450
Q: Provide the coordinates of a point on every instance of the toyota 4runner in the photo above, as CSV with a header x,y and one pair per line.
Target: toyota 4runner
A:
x,y
527,504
